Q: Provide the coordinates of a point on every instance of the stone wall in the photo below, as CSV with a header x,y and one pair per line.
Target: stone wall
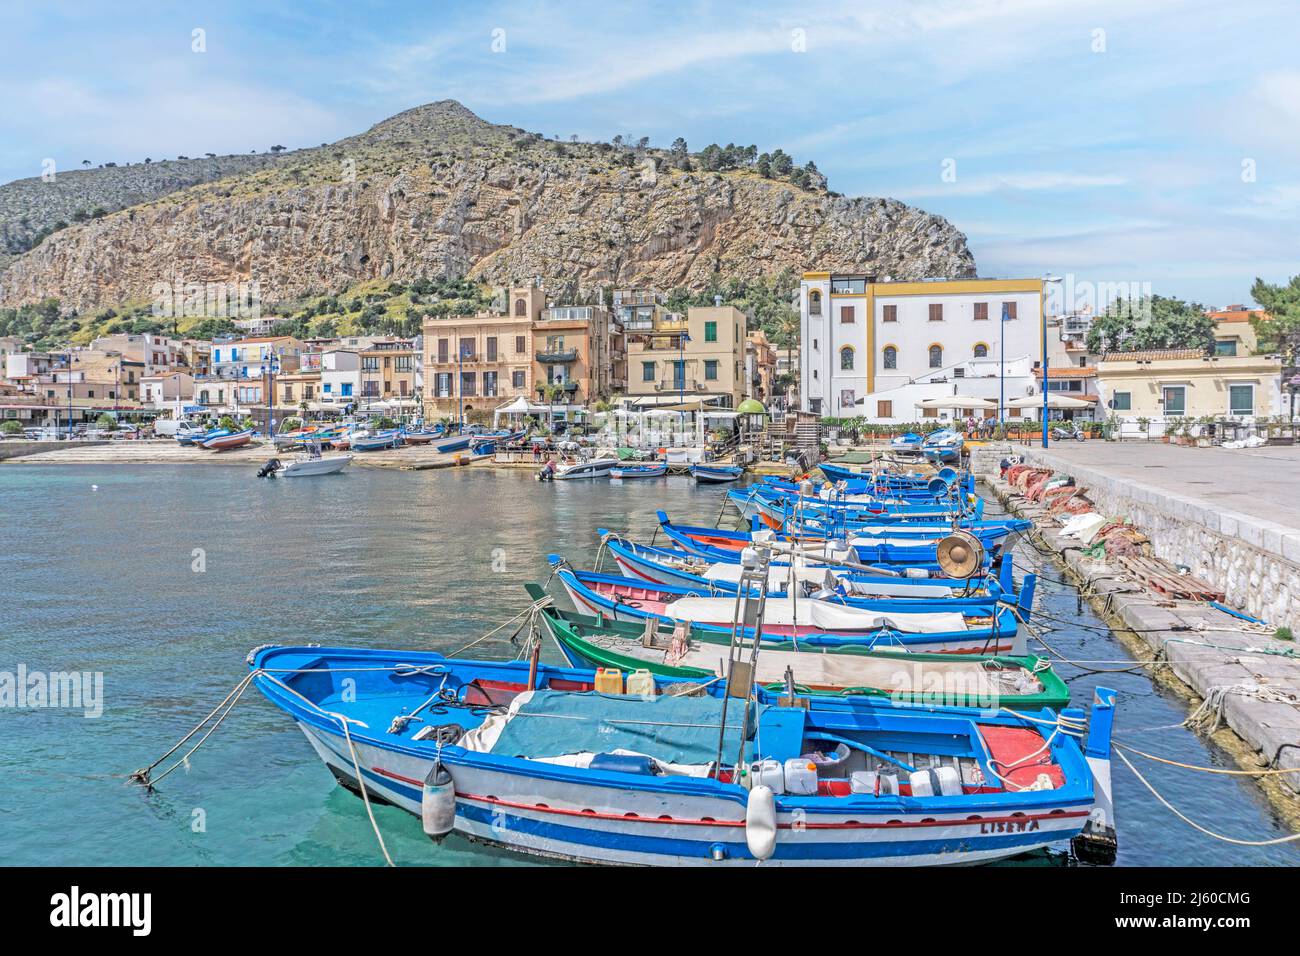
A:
x,y
1255,562
18,447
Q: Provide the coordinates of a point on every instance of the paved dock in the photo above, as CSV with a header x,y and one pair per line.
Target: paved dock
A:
x,y
1261,482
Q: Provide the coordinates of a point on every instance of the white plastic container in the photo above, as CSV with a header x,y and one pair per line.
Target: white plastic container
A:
x,y
800,777
767,773
867,781
923,782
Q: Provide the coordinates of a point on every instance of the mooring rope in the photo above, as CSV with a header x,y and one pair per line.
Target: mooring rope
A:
x,y
1266,772
1192,823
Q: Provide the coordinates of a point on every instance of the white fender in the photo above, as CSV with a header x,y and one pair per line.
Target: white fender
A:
x,y
438,803
760,823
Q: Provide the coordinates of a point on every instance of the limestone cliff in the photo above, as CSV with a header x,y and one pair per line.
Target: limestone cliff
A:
x,y
437,191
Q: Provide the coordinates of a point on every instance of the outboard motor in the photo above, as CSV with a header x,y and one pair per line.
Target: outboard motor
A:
x,y
269,469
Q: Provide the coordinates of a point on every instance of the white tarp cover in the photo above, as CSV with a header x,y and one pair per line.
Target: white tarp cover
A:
x,y
778,577
782,612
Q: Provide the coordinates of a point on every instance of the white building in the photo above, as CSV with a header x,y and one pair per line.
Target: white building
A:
x,y
340,377
875,349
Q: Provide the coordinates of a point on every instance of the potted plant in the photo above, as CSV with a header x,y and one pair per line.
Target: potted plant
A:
x,y
1145,425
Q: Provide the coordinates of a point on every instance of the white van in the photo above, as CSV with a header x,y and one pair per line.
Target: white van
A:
x,y
172,427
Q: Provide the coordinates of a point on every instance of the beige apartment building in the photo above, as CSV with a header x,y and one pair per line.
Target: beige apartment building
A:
x,y
388,371
489,359
701,355
481,360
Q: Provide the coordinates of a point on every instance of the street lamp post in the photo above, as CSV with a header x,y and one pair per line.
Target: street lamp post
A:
x,y
1042,314
681,371
268,375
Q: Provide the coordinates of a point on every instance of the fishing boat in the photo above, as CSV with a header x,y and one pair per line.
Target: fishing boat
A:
x,y
530,757
808,621
856,588
716,474
228,440
689,652
451,443
423,436
887,479
722,545
586,468
378,441
654,470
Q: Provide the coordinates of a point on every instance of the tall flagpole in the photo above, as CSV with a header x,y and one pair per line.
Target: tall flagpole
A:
x,y
1002,366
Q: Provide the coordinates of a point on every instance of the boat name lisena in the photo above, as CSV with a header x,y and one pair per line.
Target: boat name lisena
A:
x,y
1008,826
74,908
63,690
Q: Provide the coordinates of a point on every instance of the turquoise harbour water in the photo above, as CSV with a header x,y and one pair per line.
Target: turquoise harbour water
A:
x,y
102,580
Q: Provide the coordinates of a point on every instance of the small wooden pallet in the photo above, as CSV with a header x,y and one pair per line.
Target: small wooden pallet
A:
x,y
1162,577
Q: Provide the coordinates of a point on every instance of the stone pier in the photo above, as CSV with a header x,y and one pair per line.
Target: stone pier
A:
x,y
1231,516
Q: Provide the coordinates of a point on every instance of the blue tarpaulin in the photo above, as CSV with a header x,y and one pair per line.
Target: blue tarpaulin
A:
x,y
671,729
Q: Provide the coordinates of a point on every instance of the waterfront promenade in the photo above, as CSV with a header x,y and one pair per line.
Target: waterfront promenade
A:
x,y
1263,483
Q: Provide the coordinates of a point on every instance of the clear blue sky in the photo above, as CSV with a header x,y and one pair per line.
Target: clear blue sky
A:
x,y
1103,140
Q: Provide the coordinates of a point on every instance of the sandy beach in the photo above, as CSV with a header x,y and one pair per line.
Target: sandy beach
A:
x,y
168,452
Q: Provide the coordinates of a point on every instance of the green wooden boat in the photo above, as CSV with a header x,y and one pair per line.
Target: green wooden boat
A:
x,y
964,680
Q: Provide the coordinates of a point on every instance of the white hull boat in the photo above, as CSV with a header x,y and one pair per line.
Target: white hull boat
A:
x,y
310,467
593,468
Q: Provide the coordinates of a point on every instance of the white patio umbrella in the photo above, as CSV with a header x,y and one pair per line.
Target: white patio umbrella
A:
x,y
956,401
1053,401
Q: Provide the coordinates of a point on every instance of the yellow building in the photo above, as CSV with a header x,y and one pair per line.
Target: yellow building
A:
x,y
572,348
1167,384
697,356
388,371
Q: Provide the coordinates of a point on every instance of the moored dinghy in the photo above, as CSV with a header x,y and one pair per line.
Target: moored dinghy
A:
x,y
662,778
716,474
653,470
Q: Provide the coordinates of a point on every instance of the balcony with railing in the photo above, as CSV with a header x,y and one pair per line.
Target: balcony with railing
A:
x,y
558,355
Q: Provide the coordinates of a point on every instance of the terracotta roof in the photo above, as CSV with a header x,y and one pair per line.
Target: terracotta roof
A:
x,y
1152,355
1237,315
1072,371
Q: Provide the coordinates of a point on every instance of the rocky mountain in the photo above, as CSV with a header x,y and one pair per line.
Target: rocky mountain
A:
x,y
438,191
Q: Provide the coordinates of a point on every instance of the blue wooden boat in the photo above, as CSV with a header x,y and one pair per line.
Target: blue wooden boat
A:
x,y
454,443
654,470
893,480
853,588
637,779
806,621
886,508
378,441
201,437
880,580
721,545
716,474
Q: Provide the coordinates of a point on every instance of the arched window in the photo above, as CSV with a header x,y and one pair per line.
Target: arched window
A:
x,y
521,306
891,357
936,356
981,350
846,359
814,302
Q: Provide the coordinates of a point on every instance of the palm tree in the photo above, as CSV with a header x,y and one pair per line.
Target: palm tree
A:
x,y
787,326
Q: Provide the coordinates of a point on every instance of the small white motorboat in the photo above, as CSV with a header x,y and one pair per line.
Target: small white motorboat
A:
x,y
322,465
305,466
590,468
